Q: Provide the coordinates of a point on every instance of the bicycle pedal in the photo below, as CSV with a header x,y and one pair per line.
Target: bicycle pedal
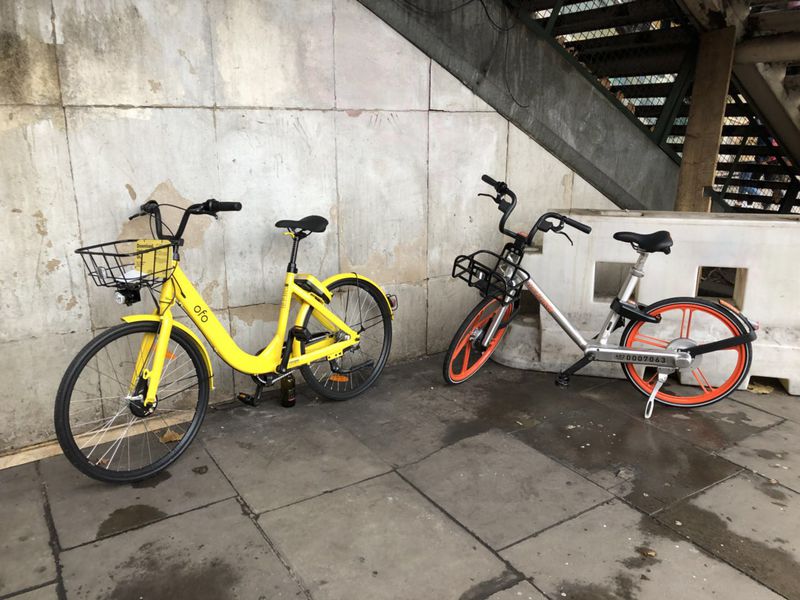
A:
x,y
248,399
562,381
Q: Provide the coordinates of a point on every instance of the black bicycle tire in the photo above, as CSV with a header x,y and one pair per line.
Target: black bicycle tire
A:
x,y
386,317
61,410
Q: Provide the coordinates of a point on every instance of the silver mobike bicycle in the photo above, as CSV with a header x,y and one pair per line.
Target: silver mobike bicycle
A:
x,y
682,351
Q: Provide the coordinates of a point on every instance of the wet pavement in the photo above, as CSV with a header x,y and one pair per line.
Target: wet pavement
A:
x,y
505,487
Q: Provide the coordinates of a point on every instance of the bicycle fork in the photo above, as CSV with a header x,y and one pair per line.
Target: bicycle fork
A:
x,y
490,332
154,345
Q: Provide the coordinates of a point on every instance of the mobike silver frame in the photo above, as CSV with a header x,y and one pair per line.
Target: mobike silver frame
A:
x,y
601,350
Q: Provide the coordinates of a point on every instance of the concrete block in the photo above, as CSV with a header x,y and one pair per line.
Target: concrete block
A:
x,y
33,369
279,165
449,302
376,67
136,53
25,543
384,536
44,288
463,146
273,54
85,510
448,94
564,561
500,489
28,69
208,553
540,180
114,176
753,245
761,543
382,185
305,450
409,325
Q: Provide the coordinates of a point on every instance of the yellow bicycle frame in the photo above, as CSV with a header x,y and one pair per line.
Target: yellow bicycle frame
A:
x,y
179,290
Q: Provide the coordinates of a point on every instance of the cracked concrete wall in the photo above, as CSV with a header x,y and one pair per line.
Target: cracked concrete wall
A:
x,y
291,108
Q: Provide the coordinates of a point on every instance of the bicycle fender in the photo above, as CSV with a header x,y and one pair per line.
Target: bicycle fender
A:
x,y
186,330
339,276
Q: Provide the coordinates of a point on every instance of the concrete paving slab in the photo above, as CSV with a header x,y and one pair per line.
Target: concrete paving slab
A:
x,y
773,453
521,591
291,456
24,536
381,539
207,554
498,397
48,592
399,421
636,461
747,522
614,551
713,427
777,402
85,510
502,490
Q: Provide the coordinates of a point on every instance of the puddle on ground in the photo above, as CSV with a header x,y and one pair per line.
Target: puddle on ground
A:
x,y
129,517
201,470
774,567
158,572
484,589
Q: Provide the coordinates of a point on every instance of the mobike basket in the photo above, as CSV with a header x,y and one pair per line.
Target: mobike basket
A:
x,y
492,274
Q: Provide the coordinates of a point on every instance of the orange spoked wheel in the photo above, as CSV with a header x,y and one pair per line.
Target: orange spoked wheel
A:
x,y
466,354
687,322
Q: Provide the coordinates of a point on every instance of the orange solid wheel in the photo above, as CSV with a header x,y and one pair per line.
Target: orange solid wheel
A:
x,y
466,355
687,322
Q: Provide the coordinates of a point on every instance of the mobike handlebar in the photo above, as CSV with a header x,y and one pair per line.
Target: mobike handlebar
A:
x,y
550,221
209,207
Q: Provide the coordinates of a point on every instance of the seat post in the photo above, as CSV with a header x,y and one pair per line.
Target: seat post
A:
x,y
634,275
292,267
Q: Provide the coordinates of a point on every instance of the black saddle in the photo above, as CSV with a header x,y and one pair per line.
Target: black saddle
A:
x,y
312,223
660,241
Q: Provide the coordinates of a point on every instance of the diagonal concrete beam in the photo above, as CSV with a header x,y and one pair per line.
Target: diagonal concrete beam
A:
x,y
780,48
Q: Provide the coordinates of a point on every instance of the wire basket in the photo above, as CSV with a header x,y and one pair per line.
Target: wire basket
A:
x,y
130,264
491,274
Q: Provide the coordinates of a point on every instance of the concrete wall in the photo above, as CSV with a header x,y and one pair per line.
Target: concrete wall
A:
x,y
292,108
532,83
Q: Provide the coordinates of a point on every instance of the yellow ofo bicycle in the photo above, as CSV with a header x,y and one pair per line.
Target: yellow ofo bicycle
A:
x,y
134,397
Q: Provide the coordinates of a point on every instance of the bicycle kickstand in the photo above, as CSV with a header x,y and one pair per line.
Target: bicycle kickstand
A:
x,y
651,401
